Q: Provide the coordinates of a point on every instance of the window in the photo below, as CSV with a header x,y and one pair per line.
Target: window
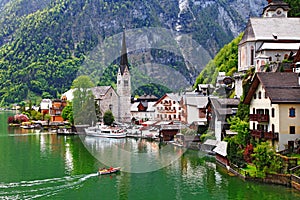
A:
x,y
253,111
259,94
266,111
252,56
266,95
273,112
292,112
273,128
292,130
254,96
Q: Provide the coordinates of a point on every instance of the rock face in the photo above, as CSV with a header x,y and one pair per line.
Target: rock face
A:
x,y
78,26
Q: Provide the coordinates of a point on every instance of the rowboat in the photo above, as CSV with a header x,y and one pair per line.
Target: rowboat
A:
x,y
109,170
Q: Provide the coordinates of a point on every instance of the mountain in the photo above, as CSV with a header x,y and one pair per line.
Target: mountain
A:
x,y
46,44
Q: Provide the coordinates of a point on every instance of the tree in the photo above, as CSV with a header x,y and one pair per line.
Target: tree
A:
x,y
47,117
84,101
108,118
242,128
265,158
67,113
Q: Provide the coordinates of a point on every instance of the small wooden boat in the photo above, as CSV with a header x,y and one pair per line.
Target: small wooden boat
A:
x,y
109,170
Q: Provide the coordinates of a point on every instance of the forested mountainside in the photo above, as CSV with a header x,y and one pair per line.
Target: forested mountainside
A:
x,y
44,43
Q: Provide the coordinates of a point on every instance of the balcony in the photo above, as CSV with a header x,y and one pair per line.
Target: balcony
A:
x,y
257,133
259,117
167,111
266,135
270,135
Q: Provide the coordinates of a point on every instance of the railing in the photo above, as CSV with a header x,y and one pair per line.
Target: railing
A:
x,y
257,133
259,117
267,135
166,111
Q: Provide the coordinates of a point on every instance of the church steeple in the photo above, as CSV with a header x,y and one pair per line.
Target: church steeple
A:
x,y
276,8
124,59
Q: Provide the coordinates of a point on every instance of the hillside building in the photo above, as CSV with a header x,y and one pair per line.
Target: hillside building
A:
x,y
267,41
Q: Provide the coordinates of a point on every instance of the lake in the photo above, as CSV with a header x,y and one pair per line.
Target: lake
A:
x,y
46,166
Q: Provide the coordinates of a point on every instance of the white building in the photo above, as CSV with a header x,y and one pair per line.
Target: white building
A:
x,y
267,40
274,100
168,108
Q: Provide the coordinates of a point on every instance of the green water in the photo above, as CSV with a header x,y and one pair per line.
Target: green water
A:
x,y
47,166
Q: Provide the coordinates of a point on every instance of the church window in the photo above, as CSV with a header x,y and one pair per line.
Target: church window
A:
x,y
254,96
252,56
273,112
125,82
292,112
259,94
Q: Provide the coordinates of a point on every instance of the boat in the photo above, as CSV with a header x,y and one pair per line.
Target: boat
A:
x,y
105,131
66,131
110,170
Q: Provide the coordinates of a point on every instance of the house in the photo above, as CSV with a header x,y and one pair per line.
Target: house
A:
x,y
274,100
142,111
168,108
194,110
220,110
45,105
267,41
168,131
56,110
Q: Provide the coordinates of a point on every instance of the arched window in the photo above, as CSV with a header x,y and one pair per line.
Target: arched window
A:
x,y
273,112
259,94
252,56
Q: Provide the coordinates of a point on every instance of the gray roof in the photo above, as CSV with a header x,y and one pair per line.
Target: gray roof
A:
x,y
174,96
280,87
198,101
100,91
221,148
266,28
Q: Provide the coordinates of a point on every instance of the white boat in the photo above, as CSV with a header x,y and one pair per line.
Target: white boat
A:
x,y
105,131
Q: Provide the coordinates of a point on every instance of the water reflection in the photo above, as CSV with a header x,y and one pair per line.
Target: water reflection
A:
x,y
132,155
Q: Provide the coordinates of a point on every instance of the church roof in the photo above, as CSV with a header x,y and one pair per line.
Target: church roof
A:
x,y
124,58
100,91
273,29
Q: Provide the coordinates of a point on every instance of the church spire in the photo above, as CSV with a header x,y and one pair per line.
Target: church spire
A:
x,y
124,59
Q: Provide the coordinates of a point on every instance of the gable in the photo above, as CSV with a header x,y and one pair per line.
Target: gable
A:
x,y
267,28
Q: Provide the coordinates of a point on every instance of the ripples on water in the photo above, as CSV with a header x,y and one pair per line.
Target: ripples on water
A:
x,y
41,188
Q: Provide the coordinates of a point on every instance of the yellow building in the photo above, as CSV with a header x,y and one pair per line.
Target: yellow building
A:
x,y
274,100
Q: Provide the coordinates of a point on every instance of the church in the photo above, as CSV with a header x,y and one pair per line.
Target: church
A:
x,y
107,98
119,102
267,41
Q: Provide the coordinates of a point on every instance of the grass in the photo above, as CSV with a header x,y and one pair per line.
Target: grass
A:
x,y
251,170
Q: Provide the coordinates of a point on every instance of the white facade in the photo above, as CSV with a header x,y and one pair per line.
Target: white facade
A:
x,y
46,104
168,108
148,114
